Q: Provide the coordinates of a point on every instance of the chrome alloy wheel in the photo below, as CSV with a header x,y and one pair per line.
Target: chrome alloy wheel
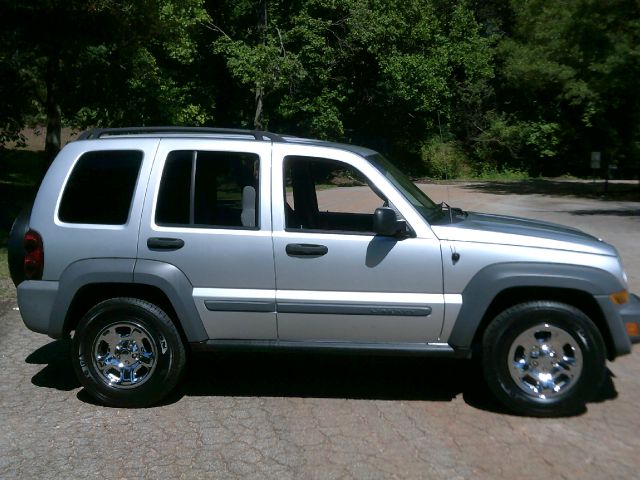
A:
x,y
124,355
545,361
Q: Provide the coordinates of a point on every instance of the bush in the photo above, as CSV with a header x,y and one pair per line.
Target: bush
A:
x,y
444,160
506,143
491,173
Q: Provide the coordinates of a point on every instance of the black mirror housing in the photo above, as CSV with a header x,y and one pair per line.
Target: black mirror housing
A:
x,y
385,222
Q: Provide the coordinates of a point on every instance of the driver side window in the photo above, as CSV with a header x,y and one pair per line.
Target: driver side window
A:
x,y
327,195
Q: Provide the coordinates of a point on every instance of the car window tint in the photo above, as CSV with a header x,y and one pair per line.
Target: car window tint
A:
x,y
204,189
100,188
174,201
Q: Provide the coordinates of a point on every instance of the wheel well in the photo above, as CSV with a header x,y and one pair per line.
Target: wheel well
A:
x,y
92,294
579,299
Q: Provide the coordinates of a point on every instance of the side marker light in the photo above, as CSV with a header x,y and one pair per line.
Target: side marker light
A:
x,y
620,298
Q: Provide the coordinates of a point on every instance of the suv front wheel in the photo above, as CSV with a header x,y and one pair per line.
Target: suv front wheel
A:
x,y
128,353
543,358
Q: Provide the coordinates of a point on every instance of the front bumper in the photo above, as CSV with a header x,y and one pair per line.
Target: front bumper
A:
x,y
620,320
630,314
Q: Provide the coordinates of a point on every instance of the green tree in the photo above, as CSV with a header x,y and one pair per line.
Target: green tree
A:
x,y
252,43
90,63
390,74
282,60
432,68
568,83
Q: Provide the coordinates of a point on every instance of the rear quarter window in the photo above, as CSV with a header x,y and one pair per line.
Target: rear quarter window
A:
x,y
100,188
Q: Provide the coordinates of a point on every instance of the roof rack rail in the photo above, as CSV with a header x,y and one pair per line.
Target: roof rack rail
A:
x,y
108,132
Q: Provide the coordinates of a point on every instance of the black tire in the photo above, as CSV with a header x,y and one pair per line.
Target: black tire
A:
x,y
134,332
566,350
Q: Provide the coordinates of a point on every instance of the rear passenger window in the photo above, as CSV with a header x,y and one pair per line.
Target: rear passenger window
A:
x,y
209,189
100,188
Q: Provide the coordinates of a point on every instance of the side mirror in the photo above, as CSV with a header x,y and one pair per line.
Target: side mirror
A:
x,y
385,222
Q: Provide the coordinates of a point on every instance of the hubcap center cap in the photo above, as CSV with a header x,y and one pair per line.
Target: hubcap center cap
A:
x,y
127,351
543,359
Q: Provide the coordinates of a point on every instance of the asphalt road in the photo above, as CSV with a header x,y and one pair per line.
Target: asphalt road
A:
x,y
324,417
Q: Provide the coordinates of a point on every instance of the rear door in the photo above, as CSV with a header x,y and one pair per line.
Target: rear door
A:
x,y
208,213
336,280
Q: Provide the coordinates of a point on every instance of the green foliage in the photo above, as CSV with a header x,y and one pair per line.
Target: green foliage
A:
x,y
522,85
492,174
102,63
571,68
281,57
20,171
21,168
506,141
433,66
444,160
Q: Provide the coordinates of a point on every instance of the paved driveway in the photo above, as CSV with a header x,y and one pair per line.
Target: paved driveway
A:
x,y
297,416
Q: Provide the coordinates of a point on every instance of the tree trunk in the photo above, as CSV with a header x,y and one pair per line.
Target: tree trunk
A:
x,y
257,119
53,111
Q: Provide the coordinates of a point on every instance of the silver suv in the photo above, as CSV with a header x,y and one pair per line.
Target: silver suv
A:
x,y
147,242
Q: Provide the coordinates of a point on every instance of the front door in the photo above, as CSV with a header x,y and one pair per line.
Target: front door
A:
x,y
337,280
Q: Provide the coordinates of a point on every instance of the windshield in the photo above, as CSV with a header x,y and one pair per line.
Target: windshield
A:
x,y
423,204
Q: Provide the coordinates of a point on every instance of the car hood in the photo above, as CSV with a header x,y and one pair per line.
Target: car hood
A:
x,y
504,230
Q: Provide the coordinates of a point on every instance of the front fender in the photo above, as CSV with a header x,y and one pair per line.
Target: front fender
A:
x,y
485,286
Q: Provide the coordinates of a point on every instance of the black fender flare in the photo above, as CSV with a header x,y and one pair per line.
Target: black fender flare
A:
x,y
80,274
164,276
489,282
177,287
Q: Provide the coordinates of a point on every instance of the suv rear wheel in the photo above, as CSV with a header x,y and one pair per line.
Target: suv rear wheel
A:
x,y
543,358
128,353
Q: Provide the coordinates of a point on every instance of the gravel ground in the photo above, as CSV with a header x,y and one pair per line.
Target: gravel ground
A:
x,y
325,417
